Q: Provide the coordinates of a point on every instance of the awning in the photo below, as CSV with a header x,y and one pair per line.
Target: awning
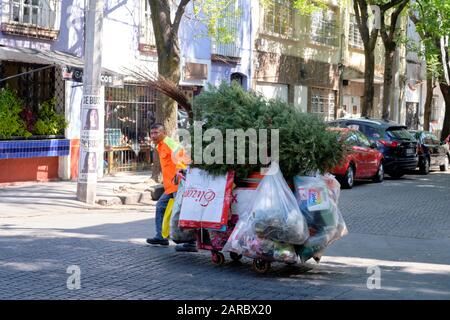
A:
x,y
72,66
39,56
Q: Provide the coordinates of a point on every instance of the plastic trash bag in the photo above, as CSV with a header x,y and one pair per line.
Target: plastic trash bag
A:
x,y
275,212
317,198
177,234
272,225
244,241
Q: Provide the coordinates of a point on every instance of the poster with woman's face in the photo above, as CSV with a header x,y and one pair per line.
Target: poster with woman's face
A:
x,y
90,119
90,133
88,170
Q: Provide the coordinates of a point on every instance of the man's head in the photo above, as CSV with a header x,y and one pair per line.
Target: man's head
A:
x,y
157,133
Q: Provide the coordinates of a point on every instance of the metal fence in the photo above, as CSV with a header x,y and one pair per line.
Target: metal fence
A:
x,y
130,111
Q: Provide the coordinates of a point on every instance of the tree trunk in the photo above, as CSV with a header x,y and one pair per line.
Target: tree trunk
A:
x,y
428,101
167,45
388,77
369,90
445,89
166,108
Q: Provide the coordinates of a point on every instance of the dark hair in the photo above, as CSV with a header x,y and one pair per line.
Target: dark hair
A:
x,y
87,124
86,163
157,125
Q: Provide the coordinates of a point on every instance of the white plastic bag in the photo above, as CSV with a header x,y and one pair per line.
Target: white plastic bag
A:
x,y
177,234
317,198
244,241
275,212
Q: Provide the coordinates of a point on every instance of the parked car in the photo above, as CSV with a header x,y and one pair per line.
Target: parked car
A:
x,y
398,146
362,161
431,151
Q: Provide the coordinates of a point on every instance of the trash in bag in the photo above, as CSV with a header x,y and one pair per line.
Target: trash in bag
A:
x,y
177,234
272,225
244,241
317,198
275,212
284,252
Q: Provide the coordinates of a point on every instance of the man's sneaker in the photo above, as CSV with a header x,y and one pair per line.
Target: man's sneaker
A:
x,y
186,247
163,242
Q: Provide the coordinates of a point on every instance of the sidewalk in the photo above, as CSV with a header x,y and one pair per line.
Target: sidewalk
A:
x,y
55,196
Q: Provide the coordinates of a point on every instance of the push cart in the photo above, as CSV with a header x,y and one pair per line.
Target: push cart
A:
x,y
215,240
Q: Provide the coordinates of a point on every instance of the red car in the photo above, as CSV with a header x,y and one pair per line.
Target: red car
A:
x,y
363,160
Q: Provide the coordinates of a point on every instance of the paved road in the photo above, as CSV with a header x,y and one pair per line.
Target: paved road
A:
x,y
400,226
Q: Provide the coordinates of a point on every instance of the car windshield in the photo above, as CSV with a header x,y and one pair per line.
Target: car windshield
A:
x,y
398,133
415,134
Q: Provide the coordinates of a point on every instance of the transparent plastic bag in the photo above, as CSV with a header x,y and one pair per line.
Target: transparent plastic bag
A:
x,y
276,215
317,198
177,234
244,241
272,225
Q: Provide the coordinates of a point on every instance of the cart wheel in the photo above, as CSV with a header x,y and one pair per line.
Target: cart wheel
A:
x,y
261,266
217,258
235,257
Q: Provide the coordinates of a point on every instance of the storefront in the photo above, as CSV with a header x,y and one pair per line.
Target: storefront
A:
x,y
129,113
31,80
38,80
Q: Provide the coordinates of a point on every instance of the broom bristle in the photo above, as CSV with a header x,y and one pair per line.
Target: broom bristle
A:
x,y
163,85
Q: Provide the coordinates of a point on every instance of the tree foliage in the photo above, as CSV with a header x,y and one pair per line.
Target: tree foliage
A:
x,y
431,18
304,143
11,123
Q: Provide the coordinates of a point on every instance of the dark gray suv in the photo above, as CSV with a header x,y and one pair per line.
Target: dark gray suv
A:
x,y
398,146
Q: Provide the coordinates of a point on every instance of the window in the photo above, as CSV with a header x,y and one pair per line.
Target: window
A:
x,y
435,110
278,17
33,88
398,133
39,13
352,139
373,133
324,27
195,71
322,103
363,141
428,139
354,37
147,41
230,21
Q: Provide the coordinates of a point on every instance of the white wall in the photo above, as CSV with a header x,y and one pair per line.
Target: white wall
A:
x,y
273,90
301,98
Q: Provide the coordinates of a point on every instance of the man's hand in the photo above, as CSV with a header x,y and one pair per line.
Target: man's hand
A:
x,y
179,175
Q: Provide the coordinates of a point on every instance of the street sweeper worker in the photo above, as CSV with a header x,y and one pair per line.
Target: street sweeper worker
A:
x,y
172,159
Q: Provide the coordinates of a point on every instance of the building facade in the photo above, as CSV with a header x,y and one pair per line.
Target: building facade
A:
x,y
41,53
314,62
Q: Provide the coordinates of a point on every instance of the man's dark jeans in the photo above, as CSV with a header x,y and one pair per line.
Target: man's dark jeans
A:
x,y
161,206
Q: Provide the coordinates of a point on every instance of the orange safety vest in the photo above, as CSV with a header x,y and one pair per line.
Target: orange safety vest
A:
x,y
172,158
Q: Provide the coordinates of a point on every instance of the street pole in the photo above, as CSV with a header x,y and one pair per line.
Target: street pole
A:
x,y
91,104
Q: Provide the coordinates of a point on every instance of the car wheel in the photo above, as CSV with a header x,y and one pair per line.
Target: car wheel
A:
x,y
444,167
379,176
348,178
425,166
